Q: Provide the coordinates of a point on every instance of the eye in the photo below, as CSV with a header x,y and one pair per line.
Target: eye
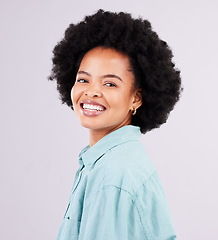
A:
x,y
81,80
109,84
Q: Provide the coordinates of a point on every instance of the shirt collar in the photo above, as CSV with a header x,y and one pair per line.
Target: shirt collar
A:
x,y
89,155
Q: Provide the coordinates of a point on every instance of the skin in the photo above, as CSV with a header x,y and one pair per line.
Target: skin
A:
x,y
104,79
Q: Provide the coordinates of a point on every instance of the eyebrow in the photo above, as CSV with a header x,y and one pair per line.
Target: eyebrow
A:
x,y
83,72
112,76
104,76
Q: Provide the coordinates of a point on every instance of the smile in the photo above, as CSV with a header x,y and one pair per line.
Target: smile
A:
x,y
91,109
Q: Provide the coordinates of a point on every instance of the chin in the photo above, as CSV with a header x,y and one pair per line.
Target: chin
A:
x,y
90,125
98,127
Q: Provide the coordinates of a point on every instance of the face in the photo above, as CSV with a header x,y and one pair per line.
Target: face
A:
x,y
103,95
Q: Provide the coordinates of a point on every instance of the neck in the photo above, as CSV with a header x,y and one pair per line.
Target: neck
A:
x,y
95,135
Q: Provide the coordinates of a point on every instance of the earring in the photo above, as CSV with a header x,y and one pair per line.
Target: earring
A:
x,y
134,111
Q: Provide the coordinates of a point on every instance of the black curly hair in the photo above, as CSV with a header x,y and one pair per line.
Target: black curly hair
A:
x,y
150,58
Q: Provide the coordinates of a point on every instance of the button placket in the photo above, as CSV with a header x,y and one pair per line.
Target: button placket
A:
x,y
78,180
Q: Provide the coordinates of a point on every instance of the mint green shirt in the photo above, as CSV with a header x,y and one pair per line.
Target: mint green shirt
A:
x,y
117,194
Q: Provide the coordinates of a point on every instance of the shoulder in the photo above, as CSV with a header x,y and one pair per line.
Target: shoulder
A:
x,y
128,166
129,169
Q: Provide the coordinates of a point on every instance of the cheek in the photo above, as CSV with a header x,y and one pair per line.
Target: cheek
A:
x,y
71,94
74,95
120,100
74,92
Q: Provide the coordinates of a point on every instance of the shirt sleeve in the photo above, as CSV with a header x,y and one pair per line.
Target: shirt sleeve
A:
x,y
153,209
111,214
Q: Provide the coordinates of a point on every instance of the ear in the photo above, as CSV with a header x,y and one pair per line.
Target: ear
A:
x,y
137,101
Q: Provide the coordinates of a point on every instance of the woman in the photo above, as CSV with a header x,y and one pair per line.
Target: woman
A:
x,y
119,78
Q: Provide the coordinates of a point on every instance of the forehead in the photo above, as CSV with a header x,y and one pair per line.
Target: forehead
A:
x,y
106,59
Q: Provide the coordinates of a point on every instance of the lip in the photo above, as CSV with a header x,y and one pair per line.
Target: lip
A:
x,y
91,113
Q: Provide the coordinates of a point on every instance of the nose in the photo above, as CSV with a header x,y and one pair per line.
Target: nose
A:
x,y
93,91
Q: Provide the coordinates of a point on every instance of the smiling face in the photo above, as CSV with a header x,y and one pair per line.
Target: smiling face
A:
x,y
103,95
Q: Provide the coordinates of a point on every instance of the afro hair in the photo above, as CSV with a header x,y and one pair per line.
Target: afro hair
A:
x,y
150,58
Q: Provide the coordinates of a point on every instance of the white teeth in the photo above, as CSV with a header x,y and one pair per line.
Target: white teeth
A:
x,y
92,107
